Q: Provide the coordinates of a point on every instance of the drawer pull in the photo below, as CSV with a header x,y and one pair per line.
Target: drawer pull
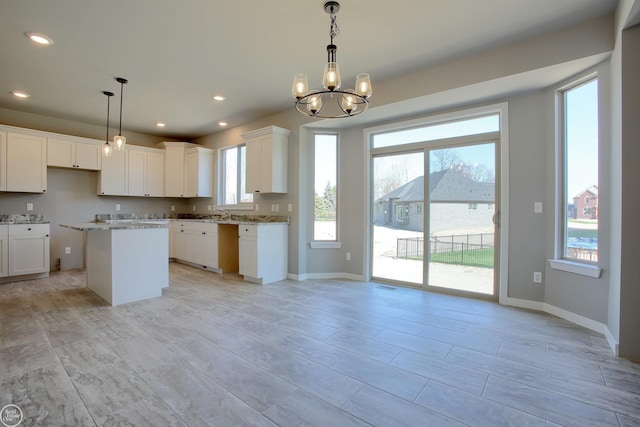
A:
x,y
29,229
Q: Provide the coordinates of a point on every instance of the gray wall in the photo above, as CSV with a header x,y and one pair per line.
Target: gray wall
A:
x,y
630,268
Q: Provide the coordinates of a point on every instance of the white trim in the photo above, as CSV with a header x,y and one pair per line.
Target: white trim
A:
x,y
576,268
572,317
325,245
310,276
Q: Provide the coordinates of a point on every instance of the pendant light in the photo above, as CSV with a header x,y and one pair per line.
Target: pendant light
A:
x,y
107,149
120,141
331,102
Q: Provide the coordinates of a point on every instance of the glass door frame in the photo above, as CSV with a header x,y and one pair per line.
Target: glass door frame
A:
x,y
500,138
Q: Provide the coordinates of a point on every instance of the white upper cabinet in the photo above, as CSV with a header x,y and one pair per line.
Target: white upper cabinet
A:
x,y
26,163
112,179
199,172
188,170
74,154
145,172
174,170
267,160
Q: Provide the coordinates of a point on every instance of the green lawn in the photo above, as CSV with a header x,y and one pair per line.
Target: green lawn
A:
x,y
473,258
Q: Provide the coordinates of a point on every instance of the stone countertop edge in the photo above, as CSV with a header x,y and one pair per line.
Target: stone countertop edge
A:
x,y
104,226
23,222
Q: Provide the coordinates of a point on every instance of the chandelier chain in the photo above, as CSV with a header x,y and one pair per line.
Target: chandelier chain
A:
x,y
334,30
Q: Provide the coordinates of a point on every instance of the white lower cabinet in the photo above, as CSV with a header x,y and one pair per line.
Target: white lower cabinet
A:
x,y
4,250
28,251
263,252
196,243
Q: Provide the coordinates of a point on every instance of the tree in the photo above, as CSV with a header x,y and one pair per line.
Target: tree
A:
x,y
444,159
325,205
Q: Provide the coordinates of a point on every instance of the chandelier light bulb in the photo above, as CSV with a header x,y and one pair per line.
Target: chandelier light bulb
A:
x,y
363,85
349,102
314,104
300,86
331,79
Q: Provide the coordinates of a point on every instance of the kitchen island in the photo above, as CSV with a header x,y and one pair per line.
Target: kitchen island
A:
x,y
126,261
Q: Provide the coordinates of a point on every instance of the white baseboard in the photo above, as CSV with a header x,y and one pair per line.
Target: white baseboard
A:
x,y
346,276
572,317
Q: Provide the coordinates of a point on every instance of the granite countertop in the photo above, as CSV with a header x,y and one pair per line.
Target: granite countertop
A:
x,y
22,219
123,225
216,218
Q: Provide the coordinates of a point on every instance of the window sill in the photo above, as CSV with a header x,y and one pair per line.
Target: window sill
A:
x,y
576,268
325,245
242,207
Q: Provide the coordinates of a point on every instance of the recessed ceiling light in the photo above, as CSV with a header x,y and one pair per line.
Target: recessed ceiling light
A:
x,y
218,97
222,123
19,94
39,38
161,124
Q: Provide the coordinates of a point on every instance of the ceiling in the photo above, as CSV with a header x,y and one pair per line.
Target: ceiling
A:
x,y
178,54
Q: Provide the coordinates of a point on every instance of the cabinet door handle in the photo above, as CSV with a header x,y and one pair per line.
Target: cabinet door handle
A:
x,y
29,229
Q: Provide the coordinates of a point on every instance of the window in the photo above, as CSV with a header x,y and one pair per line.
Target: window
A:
x,y
419,208
233,164
580,174
325,226
473,206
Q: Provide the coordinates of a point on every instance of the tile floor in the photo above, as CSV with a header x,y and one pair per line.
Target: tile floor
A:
x,y
215,350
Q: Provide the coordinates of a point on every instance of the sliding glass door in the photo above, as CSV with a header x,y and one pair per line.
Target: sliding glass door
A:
x,y
398,226
434,208
460,215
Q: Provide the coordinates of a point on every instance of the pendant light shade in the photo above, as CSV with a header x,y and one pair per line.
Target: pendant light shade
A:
x,y
120,141
107,149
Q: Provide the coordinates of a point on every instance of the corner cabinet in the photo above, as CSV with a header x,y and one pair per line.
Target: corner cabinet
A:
x,y
188,170
263,252
74,154
267,157
199,172
26,163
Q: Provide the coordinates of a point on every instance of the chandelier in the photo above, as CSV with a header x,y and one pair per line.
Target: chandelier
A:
x,y
331,102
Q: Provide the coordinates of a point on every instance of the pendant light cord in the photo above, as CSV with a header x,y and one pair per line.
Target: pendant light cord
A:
x,y
121,92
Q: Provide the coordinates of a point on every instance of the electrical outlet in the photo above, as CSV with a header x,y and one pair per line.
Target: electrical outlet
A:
x,y
173,208
537,277
194,208
290,207
118,207
537,207
209,207
348,256
67,250
29,206
257,208
277,207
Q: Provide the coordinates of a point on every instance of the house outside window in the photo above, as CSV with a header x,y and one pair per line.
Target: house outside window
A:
x,y
232,176
579,175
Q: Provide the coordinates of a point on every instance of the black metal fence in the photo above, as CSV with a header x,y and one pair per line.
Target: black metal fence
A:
x,y
468,249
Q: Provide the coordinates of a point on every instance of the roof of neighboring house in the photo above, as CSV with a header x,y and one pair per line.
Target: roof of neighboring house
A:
x,y
444,186
592,190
